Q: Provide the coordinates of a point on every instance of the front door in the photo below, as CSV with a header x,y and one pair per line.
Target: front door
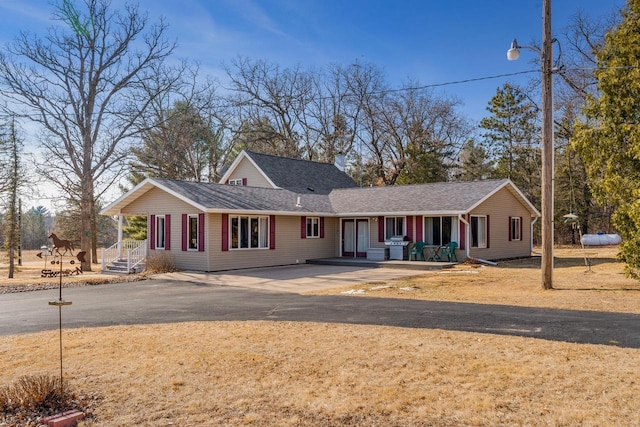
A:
x,y
355,237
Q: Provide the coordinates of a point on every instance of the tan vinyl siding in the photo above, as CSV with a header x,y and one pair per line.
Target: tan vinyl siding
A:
x,y
247,170
500,207
290,247
158,202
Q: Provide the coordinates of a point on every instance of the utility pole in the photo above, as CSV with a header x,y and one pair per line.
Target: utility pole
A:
x,y
547,148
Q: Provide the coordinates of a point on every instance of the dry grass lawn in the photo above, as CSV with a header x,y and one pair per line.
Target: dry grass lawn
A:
x,y
30,272
518,282
306,374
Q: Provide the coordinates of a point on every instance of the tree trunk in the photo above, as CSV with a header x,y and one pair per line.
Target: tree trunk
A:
x,y
86,214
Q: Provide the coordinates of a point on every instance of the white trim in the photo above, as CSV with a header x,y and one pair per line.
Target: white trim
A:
x,y
249,218
517,219
198,225
514,190
244,155
164,232
485,231
140,189
306,226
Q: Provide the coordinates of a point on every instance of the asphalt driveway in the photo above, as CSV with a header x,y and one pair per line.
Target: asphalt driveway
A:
x,y
169,300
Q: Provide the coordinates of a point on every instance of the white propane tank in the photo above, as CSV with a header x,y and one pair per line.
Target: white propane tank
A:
x,y
601,239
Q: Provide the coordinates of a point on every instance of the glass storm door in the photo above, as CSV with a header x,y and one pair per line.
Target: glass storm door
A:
x,y
355,237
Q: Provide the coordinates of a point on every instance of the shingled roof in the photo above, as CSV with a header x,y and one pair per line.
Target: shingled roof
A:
x,y
436,198
301,176
439,198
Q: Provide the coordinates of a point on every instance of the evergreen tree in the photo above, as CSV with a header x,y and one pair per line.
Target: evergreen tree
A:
x,y
474,162
34,228
181,146
608,138
512,139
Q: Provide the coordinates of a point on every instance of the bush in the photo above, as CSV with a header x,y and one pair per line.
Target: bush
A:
x,y
37,393
160,262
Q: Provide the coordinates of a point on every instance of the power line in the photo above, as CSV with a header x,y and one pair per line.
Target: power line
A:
x,y
456,82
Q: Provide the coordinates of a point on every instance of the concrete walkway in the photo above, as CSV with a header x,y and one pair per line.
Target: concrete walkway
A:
x,y
296,279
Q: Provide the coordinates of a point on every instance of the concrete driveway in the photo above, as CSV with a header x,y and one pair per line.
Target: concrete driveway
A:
x,y
292,278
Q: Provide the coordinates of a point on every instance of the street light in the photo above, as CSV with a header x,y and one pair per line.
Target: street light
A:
x,y
547,140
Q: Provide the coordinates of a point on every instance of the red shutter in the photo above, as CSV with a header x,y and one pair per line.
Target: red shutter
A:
x,y
380,229
201,232
303,227
226,182
225,232
510,219
184,232
272,232
462,236
244,181
410,228
322,227
152,232
488,231
419,233
167,232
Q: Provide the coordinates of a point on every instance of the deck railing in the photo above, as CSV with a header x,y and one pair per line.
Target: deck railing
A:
x,y
134,251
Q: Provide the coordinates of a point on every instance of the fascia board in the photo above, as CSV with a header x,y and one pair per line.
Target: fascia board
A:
x,y
243,155
407,213
115,207
513,189
267,212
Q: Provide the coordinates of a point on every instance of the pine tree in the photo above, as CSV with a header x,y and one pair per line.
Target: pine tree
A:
x,y
608,138
512,139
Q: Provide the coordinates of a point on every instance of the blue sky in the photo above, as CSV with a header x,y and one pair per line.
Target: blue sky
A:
x,y
434,42
430,41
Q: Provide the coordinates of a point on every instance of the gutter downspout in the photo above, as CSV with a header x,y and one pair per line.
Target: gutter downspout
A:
x,y
531,236
467,233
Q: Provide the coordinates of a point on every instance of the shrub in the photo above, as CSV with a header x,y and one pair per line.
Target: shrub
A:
x,y
160,262
36,393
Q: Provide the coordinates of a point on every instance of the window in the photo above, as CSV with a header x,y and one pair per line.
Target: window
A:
x,y
478,231
239,181
516,228
440,230
249,232
192,232
313,227
394,226
160,231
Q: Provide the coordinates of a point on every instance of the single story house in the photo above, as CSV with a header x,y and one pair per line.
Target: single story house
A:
x,y
270,210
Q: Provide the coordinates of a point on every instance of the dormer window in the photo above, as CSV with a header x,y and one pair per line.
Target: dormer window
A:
x,y
238,181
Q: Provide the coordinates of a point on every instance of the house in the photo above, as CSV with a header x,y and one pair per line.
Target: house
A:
x,y
270,210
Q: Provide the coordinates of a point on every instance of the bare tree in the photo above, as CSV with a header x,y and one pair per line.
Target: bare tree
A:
x,y
269,104
89,84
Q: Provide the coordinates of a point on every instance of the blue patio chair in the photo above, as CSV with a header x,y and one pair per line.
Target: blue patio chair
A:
x,y
418,251
449,250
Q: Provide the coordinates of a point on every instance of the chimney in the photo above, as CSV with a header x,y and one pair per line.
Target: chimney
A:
x,y
339,163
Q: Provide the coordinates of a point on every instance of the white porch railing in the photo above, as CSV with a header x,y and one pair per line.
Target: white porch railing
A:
x,y
136,256
134,250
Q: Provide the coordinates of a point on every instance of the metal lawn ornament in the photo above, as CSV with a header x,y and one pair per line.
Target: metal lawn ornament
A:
x,y
68,247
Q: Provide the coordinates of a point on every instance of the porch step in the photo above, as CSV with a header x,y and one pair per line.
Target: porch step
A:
x,y
120,267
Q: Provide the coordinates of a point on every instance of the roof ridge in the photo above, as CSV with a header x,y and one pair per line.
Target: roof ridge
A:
x,y
289,158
